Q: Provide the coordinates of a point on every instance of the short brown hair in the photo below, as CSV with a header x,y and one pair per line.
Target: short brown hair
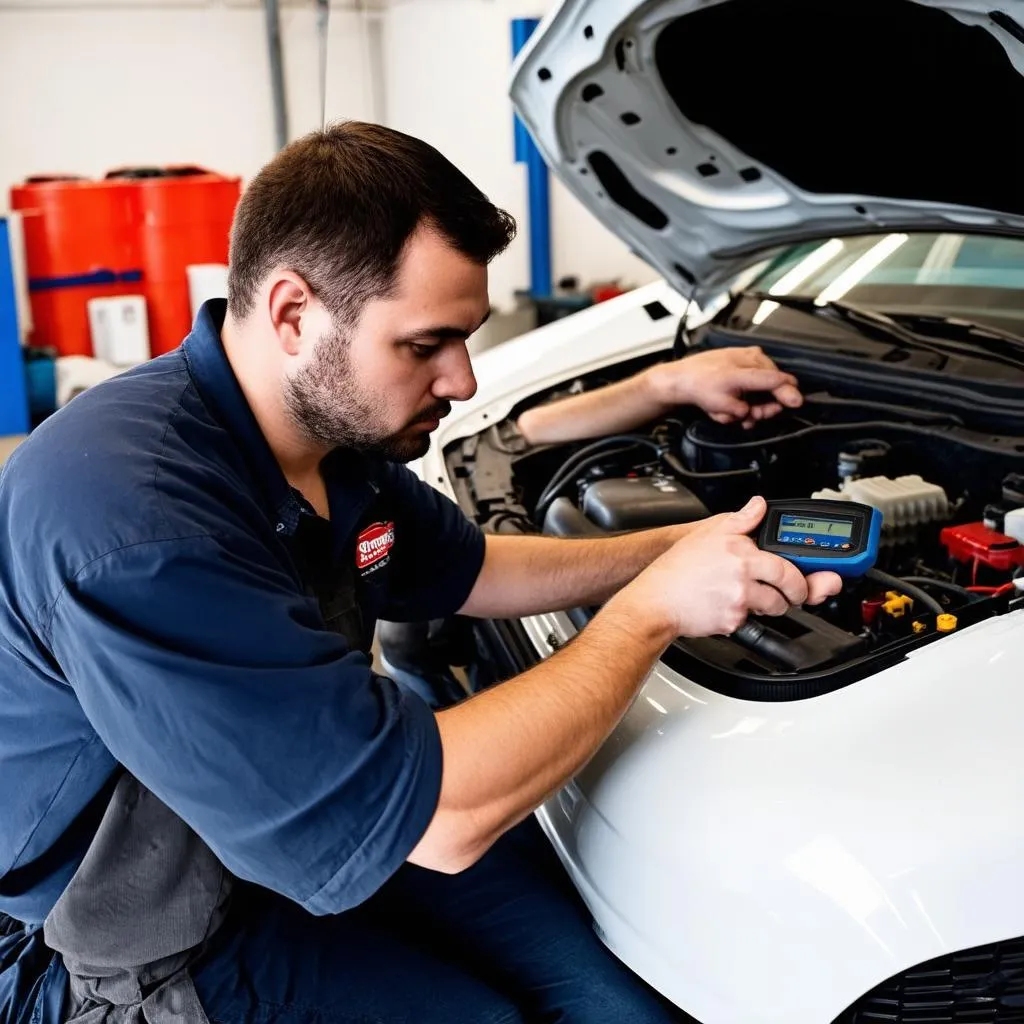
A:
x,y
337,206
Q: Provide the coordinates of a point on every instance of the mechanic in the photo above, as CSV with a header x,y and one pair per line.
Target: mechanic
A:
x,y
732,385
212,808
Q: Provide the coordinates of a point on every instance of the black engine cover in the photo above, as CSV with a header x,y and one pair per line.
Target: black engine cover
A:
x,y
635,503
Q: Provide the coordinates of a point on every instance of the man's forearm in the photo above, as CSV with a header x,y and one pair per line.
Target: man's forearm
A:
x,y
529,575
608,410
546,723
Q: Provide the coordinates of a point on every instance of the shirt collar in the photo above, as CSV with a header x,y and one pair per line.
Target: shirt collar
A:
x,y
347,475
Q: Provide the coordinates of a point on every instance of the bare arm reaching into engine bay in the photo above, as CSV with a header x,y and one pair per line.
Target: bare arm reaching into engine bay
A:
x,y
718,382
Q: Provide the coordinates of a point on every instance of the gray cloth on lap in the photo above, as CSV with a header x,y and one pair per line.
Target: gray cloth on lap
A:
x,y
138,911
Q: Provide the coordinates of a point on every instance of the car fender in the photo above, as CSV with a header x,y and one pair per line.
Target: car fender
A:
x,y
769,863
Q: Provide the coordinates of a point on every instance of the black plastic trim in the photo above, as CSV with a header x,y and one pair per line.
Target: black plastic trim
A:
x,y
980,985
779,688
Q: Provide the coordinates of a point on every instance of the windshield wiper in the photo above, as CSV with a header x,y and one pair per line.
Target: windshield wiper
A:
x,y
858,316
892,328
957,328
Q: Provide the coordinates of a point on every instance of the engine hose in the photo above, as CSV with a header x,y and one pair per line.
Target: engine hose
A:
x,y
571,469
895,583
564,519
570,466
808,431
949,588
675,464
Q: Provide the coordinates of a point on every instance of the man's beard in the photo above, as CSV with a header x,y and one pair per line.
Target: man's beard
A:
x,y
328,407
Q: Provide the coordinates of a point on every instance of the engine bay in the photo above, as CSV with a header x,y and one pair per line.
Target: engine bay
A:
x,y
951,495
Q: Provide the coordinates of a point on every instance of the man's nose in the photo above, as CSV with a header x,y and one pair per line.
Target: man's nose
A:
x,y
456,381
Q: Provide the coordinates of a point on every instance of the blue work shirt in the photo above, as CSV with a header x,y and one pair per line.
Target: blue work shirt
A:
x,y
156,613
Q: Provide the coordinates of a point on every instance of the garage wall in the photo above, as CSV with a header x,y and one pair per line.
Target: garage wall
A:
x,y
84,87
446,65
89,84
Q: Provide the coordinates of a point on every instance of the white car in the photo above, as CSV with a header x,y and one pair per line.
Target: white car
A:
x,y
819,818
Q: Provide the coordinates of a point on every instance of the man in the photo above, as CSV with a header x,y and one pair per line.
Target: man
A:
x,y
210,803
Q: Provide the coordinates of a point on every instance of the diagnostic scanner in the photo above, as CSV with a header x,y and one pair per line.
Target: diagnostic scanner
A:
x,y
817,535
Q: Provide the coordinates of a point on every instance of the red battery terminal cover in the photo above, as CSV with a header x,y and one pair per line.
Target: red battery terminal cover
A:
x,y
975,542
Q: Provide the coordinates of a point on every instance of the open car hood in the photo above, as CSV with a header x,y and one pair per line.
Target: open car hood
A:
x,y
704,131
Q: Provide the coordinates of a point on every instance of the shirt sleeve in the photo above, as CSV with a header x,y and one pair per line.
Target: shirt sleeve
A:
x,y
211,678
440,555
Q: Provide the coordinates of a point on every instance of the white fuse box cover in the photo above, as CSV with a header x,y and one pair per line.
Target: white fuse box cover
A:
x,y
905,501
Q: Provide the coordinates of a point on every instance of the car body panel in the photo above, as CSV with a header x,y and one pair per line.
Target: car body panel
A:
x,y
771,863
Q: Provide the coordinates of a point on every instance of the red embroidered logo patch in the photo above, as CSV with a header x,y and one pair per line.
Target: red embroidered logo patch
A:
x,y
374,543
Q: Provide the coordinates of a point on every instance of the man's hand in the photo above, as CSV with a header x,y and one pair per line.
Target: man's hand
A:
x,y
710,581
717,381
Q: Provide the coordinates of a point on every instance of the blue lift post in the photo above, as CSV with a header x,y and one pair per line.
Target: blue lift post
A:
x,y
539,207
13,392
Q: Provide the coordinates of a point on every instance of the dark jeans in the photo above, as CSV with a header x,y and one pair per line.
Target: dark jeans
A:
x,y
507,941
32,980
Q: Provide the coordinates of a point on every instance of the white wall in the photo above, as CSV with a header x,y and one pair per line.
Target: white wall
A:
x,y
446,66
86,88
86,85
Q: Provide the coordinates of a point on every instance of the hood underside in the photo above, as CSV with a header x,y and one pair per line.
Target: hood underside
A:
x,y
705,131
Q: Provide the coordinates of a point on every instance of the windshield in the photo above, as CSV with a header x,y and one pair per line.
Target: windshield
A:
x,y
973,277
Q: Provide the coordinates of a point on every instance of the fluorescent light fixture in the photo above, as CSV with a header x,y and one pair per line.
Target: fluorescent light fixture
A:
x,y
809,265
795,276
860,268
941,259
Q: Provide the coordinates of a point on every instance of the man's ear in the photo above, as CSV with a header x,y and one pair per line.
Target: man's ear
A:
x,y
289,300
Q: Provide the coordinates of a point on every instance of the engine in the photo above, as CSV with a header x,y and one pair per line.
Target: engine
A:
x,y
953,523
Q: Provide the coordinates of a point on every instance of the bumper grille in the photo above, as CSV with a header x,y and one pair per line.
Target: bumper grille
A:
x,y
984,985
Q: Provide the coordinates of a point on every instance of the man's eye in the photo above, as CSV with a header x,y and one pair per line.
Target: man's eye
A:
x,y
422,351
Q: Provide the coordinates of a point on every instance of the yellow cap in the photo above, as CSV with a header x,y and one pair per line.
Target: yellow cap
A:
x,y
919,626
945,623
897,604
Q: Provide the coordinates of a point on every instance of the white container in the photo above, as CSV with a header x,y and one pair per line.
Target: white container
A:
x,y
206,281
120,329
76,374
905,501
1013,525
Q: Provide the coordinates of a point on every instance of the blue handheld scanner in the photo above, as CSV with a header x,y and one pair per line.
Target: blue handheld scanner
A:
x,y
817,534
